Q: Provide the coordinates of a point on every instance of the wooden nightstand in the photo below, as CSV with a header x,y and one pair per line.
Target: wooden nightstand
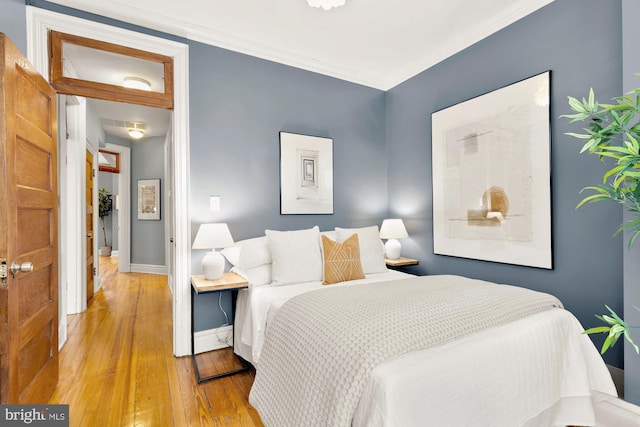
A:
x,y
401,262
199,285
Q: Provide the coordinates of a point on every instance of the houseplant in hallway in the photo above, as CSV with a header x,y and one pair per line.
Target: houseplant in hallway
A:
x,y
105,204
613,133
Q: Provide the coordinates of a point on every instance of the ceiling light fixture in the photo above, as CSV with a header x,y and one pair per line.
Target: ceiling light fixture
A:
x,y
136,129
136,133
137,83
326,4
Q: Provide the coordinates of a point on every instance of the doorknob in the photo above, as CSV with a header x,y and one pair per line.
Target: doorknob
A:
x,y
25,267
89,235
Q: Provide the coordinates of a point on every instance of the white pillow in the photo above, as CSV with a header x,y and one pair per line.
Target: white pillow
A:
x,y
248,253
256,276
371,248
232,254
296,256
330,234
254,252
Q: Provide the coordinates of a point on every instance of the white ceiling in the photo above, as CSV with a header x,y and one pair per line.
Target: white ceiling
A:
x,y
370,42
375,43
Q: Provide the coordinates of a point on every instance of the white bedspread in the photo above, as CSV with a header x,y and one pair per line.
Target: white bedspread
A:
x,y
256,305
538,371
305,379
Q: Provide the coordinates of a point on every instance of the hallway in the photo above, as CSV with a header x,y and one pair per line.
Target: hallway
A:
x,y
117,367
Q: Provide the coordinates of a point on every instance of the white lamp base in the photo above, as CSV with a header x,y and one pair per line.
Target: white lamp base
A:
x,y
392,249
213,265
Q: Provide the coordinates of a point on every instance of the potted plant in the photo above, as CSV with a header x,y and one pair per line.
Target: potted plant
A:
x,y
105,204
613,133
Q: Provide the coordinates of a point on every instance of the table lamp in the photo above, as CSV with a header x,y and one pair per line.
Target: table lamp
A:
x,y
213,236
392,229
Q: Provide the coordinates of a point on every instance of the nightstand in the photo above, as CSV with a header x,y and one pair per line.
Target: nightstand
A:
x,y
401,262
199,285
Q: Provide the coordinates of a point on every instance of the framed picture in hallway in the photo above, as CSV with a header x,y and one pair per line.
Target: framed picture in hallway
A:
x,y
149,199
492,176
306,174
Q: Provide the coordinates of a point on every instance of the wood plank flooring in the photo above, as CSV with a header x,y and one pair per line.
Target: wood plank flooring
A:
x,y
117,366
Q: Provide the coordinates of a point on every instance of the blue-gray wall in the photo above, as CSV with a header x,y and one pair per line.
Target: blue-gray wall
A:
x,y
147,236
382,153
13,22
630,66
580,42
239,104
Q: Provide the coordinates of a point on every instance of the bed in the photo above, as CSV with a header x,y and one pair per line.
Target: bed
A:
x,y
516,358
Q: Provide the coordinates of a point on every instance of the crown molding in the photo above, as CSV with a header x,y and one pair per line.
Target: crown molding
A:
x,y
187,30
383,80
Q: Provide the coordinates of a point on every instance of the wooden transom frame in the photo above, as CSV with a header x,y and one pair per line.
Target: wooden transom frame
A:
x,y
105,91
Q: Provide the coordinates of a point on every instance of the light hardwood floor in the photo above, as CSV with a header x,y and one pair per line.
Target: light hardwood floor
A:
x,y
117,367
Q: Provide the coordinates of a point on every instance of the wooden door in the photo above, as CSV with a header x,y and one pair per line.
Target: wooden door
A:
x,y
89,225
28,231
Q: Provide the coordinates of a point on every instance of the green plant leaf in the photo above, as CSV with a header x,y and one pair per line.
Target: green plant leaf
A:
x,y
615,316
576,105
612,132
611,340
578,135
627,335
597,330
591,99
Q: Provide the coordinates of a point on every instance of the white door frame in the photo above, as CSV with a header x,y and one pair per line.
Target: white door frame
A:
x,y
39,22
72,241
124,207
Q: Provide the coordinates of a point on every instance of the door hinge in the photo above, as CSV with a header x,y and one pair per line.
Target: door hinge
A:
x,y
95,271
94,173
3,272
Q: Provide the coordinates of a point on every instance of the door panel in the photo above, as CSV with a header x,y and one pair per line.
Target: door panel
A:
x,y
89,224
28,231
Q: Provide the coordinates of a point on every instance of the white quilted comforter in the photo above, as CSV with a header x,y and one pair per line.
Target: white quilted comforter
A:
x,y
322,347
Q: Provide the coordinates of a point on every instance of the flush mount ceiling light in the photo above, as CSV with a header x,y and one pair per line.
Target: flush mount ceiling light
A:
x,y
326,4
137,131
136,83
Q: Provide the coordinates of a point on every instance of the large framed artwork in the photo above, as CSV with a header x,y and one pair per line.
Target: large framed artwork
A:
x,y
306,174
149,199
492,176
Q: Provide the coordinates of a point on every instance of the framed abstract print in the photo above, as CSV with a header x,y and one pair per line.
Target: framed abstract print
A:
x,y
492,176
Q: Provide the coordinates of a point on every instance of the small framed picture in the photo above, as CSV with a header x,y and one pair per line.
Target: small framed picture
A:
x,y
149,199
306,174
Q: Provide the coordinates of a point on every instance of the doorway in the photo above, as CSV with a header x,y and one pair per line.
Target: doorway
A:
x,y
40,23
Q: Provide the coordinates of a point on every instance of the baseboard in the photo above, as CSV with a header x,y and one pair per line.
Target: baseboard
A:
x,y
114,253
212,339
614,412
149,268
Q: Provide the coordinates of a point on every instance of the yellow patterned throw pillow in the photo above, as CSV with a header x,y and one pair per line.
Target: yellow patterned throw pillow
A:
x,y
341,260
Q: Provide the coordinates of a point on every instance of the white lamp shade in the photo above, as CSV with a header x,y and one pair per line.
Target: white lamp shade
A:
x,y
213,236
393,229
